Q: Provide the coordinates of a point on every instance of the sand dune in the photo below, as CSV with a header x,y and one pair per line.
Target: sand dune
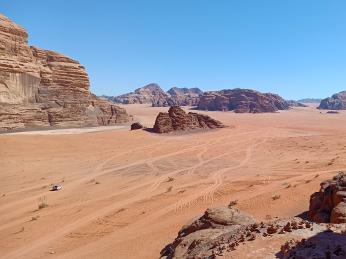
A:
x,y
127,193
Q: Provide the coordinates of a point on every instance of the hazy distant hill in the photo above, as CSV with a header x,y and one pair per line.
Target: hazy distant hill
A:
x,y
310,100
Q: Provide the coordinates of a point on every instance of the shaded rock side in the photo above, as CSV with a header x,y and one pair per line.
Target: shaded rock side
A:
x,y
329,204
42,88
178,120
241,101
335,102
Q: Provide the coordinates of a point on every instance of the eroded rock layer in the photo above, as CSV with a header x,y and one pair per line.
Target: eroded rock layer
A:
x,y
242,101
42,88
178,120
329,204
154,95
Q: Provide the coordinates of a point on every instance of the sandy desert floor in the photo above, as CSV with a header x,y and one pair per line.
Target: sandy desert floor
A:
x,y
127,193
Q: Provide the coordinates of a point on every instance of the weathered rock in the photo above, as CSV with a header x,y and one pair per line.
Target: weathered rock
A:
x,y
197,240
241,100
136,126
184,96
154,95
335,102
329,204
178,120
151,94
42,88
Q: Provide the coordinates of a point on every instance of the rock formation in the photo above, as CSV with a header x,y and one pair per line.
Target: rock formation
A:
x,y
151,93
242,101
222,231
136,126
293,103
154,95
178,120
42,88
184,96
329,204
336,102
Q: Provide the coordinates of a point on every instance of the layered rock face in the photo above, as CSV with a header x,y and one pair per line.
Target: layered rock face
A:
x,y
329,204
154,95
336,102
151,93
241,101
42,88
178,120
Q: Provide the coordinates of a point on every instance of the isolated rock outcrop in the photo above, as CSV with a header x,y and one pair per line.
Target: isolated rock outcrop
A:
x,y
178,120
329,204
223,231
242,101
136,126
42,88
335,102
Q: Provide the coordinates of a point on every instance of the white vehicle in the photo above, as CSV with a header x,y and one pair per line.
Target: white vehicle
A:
x,y
56,187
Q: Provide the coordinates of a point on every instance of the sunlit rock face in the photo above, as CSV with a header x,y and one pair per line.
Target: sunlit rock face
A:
x,y
42,88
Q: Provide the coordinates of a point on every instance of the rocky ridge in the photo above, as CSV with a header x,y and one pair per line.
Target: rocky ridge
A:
x,y
176,119
241,101
154,95
42,88
335,102
229,232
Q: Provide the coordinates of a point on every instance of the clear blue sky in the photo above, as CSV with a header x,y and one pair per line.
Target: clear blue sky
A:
x,y
296,48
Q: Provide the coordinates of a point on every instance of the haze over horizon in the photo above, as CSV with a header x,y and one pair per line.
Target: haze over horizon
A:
x,y
291,48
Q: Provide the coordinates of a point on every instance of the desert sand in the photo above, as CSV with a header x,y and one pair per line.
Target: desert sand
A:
x,y
127,193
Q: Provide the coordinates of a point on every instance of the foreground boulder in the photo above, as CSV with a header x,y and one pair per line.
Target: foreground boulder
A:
x,y
42,88
241,101
329,204
136,126
335,102
178,120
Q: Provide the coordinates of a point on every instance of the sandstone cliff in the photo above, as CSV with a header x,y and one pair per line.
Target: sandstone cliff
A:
x,y
42,88
335,102
241,100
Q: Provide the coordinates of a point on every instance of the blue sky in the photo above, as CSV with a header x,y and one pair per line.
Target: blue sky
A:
x,y
296,48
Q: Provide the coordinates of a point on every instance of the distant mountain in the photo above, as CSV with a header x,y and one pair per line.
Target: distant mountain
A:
x,y
309,100
241,101
154,95
293,103
335,102
184,96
